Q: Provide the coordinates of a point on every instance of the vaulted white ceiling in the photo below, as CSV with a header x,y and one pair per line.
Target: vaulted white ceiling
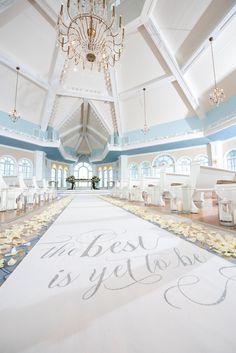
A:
x,y
166,51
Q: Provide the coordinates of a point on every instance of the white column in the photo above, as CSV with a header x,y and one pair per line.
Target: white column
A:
x,y
39,165
215,154
123,169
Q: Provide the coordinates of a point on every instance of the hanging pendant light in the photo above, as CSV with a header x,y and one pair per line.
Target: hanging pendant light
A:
x,y
218,95
14,116
145,129
90,33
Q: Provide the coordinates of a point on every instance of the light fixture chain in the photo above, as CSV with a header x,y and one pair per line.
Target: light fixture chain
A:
x,y
144,105
17,78
213,62
217,96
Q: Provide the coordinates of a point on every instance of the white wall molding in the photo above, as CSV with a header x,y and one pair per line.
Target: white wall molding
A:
x,y
84,94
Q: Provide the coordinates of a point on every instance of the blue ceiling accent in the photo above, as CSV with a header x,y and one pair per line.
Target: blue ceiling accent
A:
x,y
224,134
52,153
112,156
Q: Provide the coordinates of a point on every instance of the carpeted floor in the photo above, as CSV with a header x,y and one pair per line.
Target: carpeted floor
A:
x,y
102,280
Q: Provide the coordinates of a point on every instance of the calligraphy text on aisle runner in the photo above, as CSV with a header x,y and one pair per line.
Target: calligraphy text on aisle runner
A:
x,y
112,261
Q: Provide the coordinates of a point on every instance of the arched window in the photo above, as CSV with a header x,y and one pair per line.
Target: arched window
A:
x,y
231,160
202,159
59,178
7,166
145,168
100,175
65,175
53,175
133,171
83,171
105,177
164,161
184,165
25,168
110,176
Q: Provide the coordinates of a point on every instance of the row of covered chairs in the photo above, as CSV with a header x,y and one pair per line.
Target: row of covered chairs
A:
x,y
19,193
182,190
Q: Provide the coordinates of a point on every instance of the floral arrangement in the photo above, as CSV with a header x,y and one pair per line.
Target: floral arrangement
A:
x,y
71,179
95,180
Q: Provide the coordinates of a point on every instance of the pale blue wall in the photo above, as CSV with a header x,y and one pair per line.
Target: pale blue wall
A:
x,y
187,125
224,110
21,125
162,130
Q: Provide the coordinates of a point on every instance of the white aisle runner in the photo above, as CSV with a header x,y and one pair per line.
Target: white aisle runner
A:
x,y
104,281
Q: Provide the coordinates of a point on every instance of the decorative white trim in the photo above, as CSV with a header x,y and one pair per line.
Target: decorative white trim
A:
x,y
84,94
221,124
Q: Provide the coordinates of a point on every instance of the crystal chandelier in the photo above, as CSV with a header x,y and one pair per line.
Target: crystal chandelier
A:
x,y
145,126
218,95
13,113
90,33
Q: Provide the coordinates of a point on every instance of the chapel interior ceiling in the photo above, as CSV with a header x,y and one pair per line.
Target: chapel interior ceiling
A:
x,y
165,51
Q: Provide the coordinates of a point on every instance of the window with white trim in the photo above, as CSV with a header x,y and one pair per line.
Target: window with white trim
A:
x,y
105,177
83,170
53,174
59,178
7,166
202,159
110,176
65,175
133,171
25,168
145,168
231,160
164,161
184,165
100,175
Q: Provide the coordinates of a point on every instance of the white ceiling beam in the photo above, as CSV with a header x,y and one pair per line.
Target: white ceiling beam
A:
x,y
79,142
152,29
114,88
4,5
98,134
133,25
7,61
100,116
69,138
85,114
56,67
151,84
227,19
85,95
95,139
88,143
75,110
47,108
148,9
68,132
45,10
